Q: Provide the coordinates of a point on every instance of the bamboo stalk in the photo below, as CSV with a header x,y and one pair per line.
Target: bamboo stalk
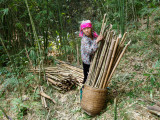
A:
x,y
77,54
119,49
102,24
6,50
155,108
115,109
104,28
30,60
73,68
48,114
121,45
36,38
107,62
96,64
123,39
110,64
43,98
109,39
91,70
53,77
53,82
101,59
96,57
154,112
93,65
117,62
47,96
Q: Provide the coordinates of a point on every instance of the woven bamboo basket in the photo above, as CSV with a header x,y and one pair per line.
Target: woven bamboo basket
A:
x,y
93,100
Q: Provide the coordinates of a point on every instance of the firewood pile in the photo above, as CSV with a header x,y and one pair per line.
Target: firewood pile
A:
x,y
63,76
107,57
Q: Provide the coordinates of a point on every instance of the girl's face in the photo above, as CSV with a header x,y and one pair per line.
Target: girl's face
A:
x,y
87,31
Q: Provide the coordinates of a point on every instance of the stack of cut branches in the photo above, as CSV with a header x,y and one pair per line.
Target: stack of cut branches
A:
x,y
64,77
106,58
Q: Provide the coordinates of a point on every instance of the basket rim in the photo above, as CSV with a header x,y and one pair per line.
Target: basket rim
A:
x,y
95,89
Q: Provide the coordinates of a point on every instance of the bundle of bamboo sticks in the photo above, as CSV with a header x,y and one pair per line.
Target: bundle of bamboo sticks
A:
x,y
106,58
63,77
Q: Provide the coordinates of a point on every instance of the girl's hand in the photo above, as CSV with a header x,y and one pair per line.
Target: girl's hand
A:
x,y
99,38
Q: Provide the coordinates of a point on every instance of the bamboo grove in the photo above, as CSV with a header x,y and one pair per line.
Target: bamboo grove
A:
x,y
57,22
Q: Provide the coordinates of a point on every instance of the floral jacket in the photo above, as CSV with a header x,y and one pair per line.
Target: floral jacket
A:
x,y
88,47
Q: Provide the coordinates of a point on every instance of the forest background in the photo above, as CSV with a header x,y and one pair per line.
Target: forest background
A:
x,y
48,30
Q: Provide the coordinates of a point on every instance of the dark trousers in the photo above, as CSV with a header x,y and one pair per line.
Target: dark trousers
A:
x,y
85,72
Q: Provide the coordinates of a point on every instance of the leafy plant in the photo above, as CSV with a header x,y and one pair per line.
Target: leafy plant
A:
x,y
1,114
20,108
153,76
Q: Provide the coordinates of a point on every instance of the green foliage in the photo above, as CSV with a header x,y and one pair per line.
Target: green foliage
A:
x,y
1,114
4,12
123,79
33,56
153,76
52,60
20,108
97,26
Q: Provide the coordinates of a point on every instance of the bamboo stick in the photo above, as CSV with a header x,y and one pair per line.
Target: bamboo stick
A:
x,y
47,96
104,27
155,108
53,82
109,39
107,62
154,112
77,54
102,59
96,64
123,39
43,98
91,70
30,61
96,57
73,68
104,17
120,47
110,64
117,63
93,65
53,77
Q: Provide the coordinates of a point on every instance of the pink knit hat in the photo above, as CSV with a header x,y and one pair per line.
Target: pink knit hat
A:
x,y
84,24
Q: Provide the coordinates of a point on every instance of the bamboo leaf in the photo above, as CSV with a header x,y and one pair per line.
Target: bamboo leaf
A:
x,y
157,64
19,25
5,11
146,74
152,80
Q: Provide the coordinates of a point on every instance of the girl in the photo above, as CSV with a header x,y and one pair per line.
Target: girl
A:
x,y
88,45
